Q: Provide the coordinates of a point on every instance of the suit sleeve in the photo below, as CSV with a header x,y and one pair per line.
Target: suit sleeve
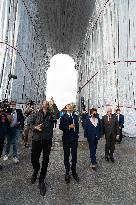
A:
x,y
63,125
77,125
122,123
117,125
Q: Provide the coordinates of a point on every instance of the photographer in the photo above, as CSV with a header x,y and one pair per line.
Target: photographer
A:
x,y
14,131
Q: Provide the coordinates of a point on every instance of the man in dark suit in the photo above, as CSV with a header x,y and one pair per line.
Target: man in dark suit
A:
x,y
120,118
70,126
14,131
110,127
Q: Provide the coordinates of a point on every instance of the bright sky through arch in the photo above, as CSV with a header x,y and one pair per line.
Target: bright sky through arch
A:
x,y
62,80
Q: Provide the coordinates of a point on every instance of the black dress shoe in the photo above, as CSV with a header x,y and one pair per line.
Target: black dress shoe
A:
x,y
94,169
75,176
107,159
67,178
112,159
42,188
33,178
0,167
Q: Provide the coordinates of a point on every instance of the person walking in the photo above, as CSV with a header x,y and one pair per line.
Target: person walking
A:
x,y
70,126
14,131
92,131
41,123
110,128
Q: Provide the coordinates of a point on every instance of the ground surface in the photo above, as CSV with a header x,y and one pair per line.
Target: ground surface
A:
x,y
112,184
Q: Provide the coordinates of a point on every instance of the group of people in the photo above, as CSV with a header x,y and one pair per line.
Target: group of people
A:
x,y
39,124
94,128
36,124
110,126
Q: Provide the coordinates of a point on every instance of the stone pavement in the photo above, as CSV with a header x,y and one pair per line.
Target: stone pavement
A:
x,y
112,184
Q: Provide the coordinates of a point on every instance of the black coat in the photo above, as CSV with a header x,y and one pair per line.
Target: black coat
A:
x,y
48,124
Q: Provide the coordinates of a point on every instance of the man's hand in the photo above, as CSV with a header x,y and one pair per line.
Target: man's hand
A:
x,y
71,126
52,100
117,137
38,127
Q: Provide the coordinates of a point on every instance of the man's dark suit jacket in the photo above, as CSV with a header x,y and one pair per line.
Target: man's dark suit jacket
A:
x,y
69,134
110,129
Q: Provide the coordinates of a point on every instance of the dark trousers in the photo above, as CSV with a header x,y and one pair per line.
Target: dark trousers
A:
x,y
120,135
37,148
70,147
110,145
92,148
1,145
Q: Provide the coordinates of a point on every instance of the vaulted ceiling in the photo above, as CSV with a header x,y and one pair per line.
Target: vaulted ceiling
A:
x,y
63,24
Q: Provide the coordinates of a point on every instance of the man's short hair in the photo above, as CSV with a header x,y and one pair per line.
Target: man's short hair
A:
x,y
117,109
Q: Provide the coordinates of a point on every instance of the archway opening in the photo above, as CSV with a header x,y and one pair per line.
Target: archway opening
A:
x,y
62,80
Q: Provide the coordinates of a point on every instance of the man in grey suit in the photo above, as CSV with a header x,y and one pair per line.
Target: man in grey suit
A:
x,y
110,128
